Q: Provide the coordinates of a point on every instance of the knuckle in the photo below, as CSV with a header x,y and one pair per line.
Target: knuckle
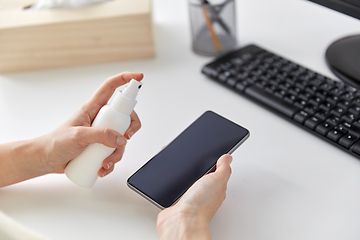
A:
x,y
76,136
76,133
107,134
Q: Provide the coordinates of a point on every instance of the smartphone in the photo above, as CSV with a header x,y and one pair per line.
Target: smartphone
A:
x,y
191,155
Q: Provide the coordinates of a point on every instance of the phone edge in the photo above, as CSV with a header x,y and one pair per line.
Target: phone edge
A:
x,y
211,169
240,142
144,196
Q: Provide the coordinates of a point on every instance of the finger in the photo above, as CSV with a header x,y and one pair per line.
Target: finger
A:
x,y
113,158
223,169
106,90
135,125
84,136
103,172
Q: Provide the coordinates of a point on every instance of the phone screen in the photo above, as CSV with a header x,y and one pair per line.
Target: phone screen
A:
x,y
167,176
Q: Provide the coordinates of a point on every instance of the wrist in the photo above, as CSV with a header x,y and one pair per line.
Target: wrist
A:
x,y
183,225
195,228
41,148
21,160
31,158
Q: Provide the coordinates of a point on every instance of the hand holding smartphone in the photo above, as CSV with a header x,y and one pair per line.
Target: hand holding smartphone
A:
x,y
191,155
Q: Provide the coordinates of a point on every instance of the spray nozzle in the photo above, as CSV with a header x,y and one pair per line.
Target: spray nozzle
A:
x,y
132,89
125,101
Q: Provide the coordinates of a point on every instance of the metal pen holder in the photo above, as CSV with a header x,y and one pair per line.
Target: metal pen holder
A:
x,y
213,26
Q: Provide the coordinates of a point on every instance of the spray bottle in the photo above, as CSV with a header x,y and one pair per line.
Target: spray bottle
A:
x,y
83,170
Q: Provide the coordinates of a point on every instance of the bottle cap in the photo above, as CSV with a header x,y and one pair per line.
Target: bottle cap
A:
x,y
132,89
125,101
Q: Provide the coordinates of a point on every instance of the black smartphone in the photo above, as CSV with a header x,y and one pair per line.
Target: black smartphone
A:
x,y
191,155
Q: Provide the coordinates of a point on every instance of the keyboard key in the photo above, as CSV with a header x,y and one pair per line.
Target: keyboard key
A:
x,y
344,104
224,76
241,85
311,89
231,82
356,148
290,99
242,76
311,109
295,91
353,129
348,140
269,99
356,100
312,122
326,86
300,104
321,114
349,117
324,128
237,61
333,99
348,96
334,135
355,110
315,101
301,116
305,96
210,71
270,88
333,120
338,111
321,93
341,129
261,84
327,106
252,79
279,93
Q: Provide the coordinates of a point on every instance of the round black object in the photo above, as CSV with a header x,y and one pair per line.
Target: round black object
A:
x,y
343,58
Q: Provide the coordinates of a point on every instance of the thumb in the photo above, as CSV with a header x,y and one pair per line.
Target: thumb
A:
x,y
106,136
223,168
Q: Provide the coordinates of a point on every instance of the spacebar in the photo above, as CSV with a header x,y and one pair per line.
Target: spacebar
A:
x,y
272,101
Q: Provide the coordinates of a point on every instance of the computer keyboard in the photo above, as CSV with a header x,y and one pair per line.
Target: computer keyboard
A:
x,y
322,106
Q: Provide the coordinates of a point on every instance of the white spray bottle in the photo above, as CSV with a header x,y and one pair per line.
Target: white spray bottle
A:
x,y
83,170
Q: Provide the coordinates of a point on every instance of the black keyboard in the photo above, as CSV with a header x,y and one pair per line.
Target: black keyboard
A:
x,y
322,106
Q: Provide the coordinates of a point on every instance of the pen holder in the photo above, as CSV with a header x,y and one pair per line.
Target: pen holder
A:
x,y
213,26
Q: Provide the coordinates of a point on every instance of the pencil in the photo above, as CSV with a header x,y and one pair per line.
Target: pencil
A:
x,y
216,16
214,38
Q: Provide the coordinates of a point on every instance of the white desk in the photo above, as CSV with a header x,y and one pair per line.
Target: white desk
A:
x,y
286,183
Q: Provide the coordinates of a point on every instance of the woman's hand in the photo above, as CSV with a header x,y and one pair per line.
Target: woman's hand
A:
x,y
190,217
52,152
72,137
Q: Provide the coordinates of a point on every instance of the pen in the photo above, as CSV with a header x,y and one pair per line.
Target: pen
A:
x,y
215,16
214,38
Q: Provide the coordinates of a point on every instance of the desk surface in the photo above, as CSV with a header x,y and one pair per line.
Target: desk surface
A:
x,y
286,183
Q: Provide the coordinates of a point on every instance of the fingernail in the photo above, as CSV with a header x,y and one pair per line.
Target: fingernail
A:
x,y
130,134
109,165
120,141
229,159
104,174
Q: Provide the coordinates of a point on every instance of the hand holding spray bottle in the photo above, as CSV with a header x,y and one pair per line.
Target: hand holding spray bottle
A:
x,y
83,169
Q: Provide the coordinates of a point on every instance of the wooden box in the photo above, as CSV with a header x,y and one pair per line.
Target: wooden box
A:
x,y
111,31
